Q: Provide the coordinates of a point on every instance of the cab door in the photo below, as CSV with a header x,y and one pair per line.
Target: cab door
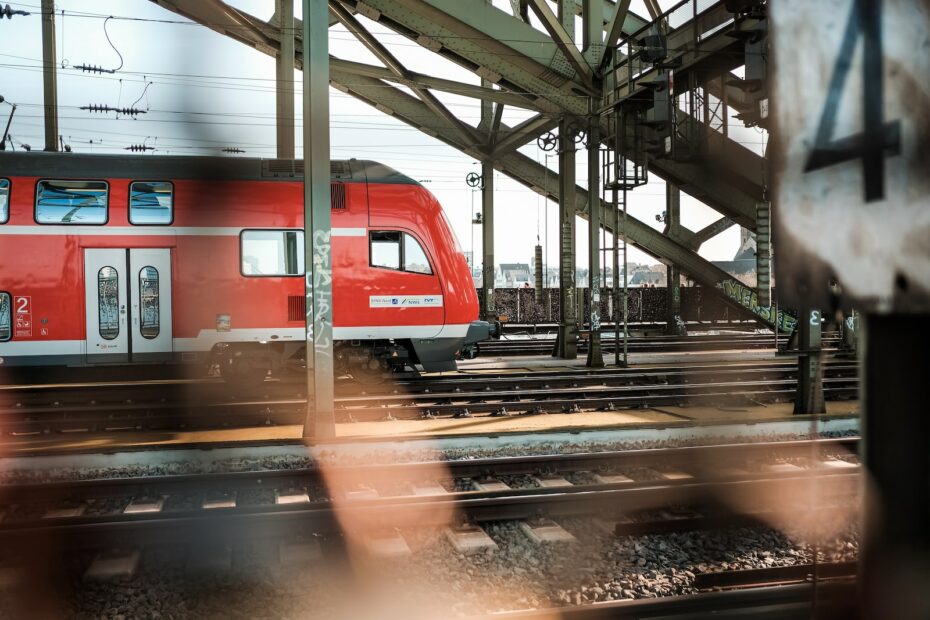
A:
x,y
405,293
106,311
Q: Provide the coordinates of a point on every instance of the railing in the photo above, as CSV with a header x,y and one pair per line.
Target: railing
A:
x,y
685,26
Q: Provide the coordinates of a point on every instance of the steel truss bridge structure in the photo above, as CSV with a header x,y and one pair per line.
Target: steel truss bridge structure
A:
x,y
651,93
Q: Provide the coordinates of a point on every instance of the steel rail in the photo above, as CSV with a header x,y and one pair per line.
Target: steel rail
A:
x,y
288,411
372,515
788,602
97,488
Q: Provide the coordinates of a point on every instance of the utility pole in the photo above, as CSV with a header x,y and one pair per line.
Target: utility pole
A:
x,y
320,422
284,93
49,75
595,355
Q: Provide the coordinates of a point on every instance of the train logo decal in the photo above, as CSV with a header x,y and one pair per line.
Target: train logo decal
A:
x,y
409,301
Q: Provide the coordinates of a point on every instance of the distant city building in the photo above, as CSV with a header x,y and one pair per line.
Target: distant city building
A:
x,y
743,265
515,275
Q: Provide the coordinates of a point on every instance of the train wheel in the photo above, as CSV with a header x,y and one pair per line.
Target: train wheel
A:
x,y
369,372
244,373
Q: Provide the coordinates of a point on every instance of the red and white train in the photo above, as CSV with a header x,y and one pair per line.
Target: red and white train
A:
x,y
124,260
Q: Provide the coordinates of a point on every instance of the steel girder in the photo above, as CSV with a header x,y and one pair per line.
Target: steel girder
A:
x,y
542,180
524,60
529,65
631,21
393,101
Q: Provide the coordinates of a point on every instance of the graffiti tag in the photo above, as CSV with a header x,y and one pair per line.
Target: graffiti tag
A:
x,y
747,298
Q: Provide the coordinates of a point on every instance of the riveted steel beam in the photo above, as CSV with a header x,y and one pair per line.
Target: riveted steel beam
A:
x,y
398,69
631,23
694,179
520,134
490,42
697,239
653,7
414,79
564,40
653,242
525,62
495,127
614,30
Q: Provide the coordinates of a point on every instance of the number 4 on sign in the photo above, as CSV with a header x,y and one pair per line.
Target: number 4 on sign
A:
x,y
879,138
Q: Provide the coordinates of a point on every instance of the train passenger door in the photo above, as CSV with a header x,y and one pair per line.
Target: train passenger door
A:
x,y
105,297
150,304
128,305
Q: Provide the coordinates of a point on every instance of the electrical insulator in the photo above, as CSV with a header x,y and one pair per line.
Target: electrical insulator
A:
x,y
93,69
232,149
139,148
9,13
105,108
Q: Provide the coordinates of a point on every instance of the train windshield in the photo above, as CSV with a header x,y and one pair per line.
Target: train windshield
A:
x,y
71,202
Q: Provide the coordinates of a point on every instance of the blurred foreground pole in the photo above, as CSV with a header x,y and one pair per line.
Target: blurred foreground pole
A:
x,y
320,420
50,75
284,93
895,560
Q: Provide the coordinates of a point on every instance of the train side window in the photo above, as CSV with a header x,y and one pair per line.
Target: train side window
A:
x,y
151,202
149,303
71,202
5,317
108,303
415,259
272,252
4,201
385,249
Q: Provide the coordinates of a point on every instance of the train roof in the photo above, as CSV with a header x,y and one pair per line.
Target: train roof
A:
x,y
168,167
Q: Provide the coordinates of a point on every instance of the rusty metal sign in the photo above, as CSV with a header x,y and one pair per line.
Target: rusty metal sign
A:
x,y
850,153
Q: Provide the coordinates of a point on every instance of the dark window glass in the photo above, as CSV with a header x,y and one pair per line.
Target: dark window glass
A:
x,y
272,252
149,303
393,249
4,200
151,202
414,257
385,249
5,317
71,202
108,301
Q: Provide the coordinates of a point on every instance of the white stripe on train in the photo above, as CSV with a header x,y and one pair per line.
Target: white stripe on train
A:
x,y
154,231
208,337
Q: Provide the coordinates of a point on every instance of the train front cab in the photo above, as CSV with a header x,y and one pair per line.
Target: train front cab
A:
x,y
430,298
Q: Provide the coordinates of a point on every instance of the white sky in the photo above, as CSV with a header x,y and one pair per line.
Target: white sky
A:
x,y
209,92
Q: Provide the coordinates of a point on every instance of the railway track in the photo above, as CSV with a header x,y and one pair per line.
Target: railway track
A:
x,y
233,506
173,404
797,601
536,344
